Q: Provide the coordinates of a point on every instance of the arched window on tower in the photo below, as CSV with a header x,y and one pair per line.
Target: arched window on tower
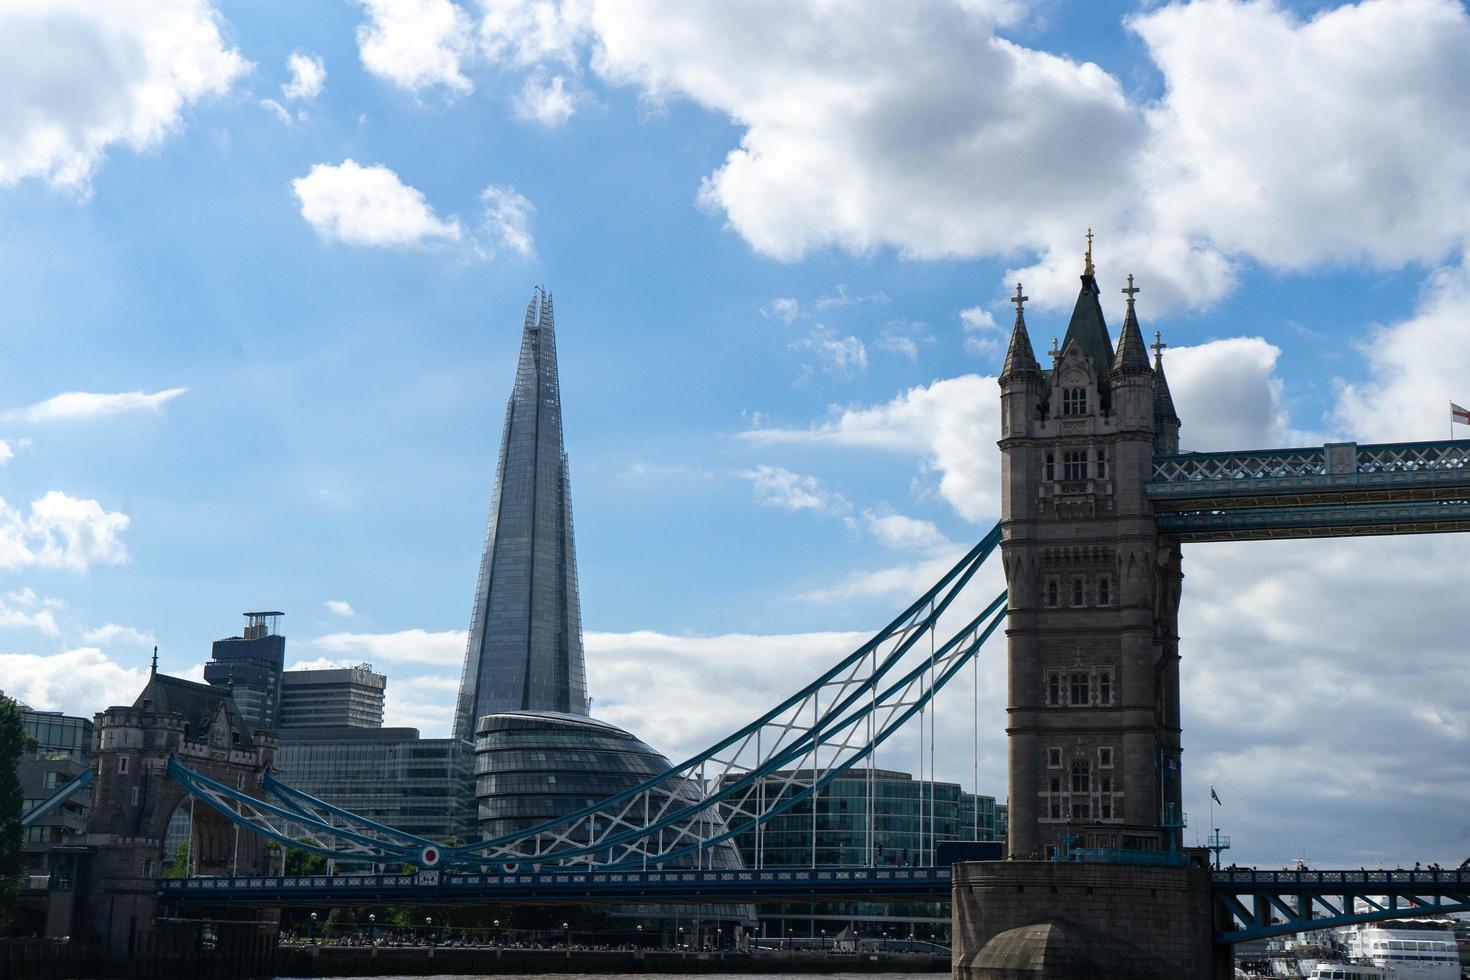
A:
x,y
1102,463
1052,596
1074,464
1054,689
1081,777
1104,592
1051,466
1105,687
1074,401
1077,596
1079,689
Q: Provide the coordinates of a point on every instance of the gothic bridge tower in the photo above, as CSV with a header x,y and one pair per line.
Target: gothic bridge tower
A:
x,y
1093,700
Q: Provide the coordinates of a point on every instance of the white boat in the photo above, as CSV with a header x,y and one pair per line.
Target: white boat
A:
x,y
1349,971
1415,949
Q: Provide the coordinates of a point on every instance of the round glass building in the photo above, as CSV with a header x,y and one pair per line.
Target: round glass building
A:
x,y
533,766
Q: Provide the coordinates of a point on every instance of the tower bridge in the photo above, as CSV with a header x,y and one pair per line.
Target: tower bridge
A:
x,y
1097,501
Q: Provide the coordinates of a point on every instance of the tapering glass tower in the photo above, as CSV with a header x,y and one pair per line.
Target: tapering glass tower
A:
x,y
525,641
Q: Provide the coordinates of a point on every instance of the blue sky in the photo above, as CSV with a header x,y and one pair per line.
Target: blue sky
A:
x,y
288,250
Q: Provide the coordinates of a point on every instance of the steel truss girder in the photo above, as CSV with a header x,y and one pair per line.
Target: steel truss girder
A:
x,y
685,810
1258,905
66,792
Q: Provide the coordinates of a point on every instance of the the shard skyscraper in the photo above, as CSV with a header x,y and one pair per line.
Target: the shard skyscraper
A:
x,y
525,641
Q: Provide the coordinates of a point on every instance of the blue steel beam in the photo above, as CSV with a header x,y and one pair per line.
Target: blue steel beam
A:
x,y
1270,911
683,886
1338,520
66,792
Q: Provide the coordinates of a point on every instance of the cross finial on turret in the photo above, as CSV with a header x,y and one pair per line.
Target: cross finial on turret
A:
x,y
1157,346
154,669
1018,299
1087,265
1054,353
1130,289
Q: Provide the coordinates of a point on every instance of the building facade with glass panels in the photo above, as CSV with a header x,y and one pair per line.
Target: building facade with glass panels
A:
x,y
877,817
250,667
386,774
62,750
524,651
336,696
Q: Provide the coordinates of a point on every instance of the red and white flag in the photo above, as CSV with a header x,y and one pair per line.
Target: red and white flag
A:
x,y
1458,414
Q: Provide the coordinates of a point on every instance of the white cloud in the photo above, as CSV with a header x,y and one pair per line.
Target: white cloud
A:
x,y
777,487
506,221
360,205
950,423
417,44
1415,368
983,336
1228,395
904,533
89,404
308,75
545,100
113,633
338,607
904,337
784,308
425,702
834,353
281,112
6,453
61,532
78,682
42,619
77,78
405,646
334,499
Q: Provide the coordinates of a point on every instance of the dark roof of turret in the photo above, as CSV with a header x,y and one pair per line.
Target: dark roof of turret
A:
x,y
197,703
1132,356
1163,401
1020,357
1089,329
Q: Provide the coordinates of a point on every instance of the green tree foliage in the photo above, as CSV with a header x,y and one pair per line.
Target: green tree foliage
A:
x,y
179,866
12,744
301,862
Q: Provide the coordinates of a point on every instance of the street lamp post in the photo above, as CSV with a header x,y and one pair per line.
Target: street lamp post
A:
x,y
566,936
681,937
639,927
373,928
497,932
429,929
824,940
313,928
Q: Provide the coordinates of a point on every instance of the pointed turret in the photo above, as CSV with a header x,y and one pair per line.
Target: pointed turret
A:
x,y
1020,360
1131,357
1088,329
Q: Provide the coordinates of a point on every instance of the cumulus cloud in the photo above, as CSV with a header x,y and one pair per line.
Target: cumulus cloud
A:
x,y
831,352
983,336
77,682
1415,368
904,533
405,646
904,337
88,404
338,607
425,702
60,531
418,45
1229,396
545,100
792,492
506,221
950,424
369,205
78,78
112,633
308,75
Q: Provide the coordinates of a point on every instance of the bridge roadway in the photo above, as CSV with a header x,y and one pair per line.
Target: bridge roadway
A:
x,y
1249,904
1336,490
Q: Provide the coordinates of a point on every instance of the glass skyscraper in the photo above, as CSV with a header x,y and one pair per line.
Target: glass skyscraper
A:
x,y
525,640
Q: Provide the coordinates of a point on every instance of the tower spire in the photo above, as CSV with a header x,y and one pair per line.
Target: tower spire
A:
x,y
1087,269
1164,411
1132,356
153,668
1020,359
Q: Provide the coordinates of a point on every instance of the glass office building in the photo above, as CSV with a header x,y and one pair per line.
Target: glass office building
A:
x,y
863,817
250,667
385,774
335,696
531,766
525,639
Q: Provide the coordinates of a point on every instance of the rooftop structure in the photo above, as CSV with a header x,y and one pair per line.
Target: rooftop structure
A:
x,y
250,667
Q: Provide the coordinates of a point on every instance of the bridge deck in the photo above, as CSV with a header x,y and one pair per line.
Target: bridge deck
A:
x,y
1336,490
682,886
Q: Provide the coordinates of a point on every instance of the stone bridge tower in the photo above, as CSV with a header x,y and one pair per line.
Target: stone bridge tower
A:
x,y
1093,701
129,830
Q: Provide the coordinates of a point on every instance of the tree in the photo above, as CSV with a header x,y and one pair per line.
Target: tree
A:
x,y
179,866
12,744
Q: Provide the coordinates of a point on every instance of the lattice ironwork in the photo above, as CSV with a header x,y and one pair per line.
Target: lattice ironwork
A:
x,y
1415,457
1260,904
766,768
1229,467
